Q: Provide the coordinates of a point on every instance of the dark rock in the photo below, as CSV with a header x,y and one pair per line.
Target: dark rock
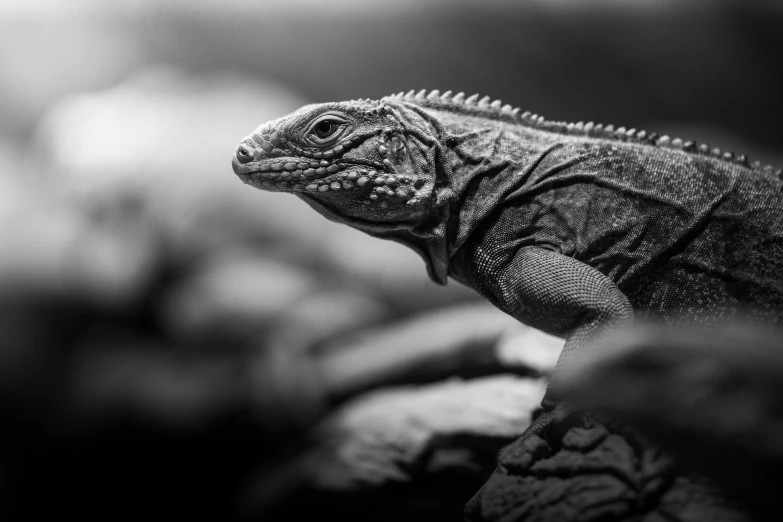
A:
x,y
386,444
712,398
570,467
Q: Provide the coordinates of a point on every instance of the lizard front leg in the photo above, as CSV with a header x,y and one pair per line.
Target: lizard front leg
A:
x,y
568,465
562,296
557,294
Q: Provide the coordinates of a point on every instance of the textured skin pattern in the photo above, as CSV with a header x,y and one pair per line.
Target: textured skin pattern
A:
x,y
678,236
570,228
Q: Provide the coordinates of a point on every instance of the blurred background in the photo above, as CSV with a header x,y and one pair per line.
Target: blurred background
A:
x,y
173,342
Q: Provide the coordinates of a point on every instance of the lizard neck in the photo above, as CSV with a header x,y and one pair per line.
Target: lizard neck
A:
x,y
484,160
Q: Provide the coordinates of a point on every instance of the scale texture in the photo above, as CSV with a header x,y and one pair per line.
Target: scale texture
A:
x,y
571,228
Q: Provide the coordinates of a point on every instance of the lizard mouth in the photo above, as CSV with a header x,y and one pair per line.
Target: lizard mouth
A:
x,y
293,175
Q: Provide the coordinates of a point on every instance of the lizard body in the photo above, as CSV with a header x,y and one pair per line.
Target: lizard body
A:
x,y
570,228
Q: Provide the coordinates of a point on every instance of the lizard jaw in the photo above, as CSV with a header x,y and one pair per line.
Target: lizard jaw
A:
x,y
371,182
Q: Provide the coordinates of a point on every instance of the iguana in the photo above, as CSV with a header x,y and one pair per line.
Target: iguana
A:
x,y
572,228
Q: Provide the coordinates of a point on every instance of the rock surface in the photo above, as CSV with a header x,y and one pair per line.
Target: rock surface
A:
x,y
684,424
390,441
714,399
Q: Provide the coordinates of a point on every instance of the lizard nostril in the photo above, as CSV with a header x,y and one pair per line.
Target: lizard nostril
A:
x,y
243,154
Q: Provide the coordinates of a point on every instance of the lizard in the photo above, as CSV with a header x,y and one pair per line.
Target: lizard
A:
x,y
571,228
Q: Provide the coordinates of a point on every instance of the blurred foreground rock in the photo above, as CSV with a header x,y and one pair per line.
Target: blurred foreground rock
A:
x,y
292,389
715,399
678,423
390,444
467,340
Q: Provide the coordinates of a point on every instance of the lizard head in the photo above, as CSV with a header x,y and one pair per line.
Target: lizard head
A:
x,y
362,161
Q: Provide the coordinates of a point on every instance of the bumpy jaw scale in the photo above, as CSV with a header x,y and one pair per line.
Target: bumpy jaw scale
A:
x,y
323,171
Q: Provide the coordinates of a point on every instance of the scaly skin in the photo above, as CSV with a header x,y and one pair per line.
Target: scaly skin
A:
x,y
571,228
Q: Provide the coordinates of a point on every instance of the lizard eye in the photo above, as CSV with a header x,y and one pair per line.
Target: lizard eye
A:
x,y
327,130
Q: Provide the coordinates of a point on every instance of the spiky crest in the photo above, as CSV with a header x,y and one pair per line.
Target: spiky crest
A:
x,y
472,105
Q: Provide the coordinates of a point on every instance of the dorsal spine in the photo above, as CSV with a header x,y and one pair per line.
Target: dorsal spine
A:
x,y
497,109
